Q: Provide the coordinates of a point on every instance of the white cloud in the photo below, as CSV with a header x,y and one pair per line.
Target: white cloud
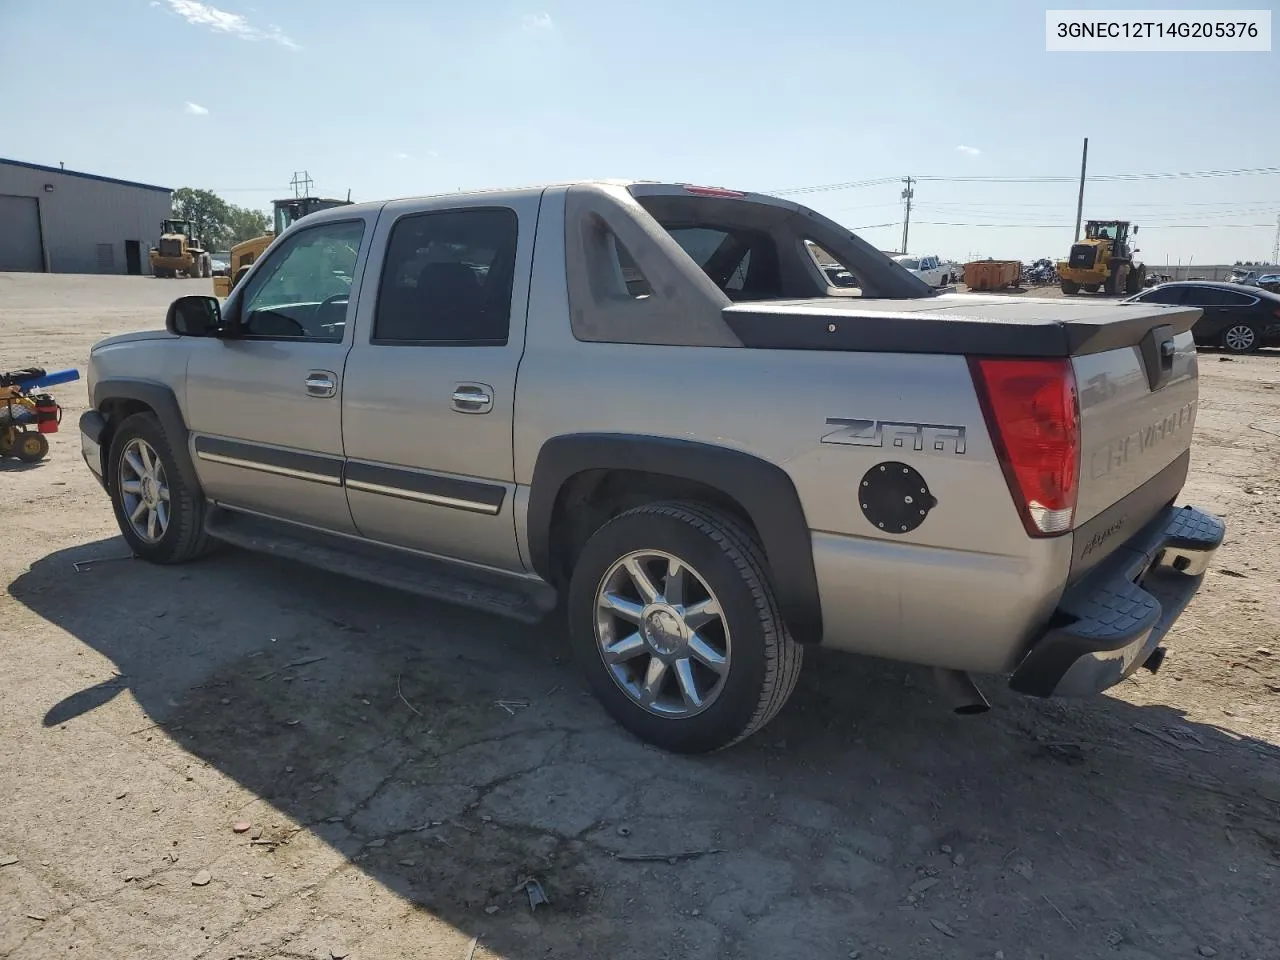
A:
x,y
968,151
537,21
195,109
223,21
402,156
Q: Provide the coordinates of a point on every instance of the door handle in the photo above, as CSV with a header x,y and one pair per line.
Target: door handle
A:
x,y
321,383
472,397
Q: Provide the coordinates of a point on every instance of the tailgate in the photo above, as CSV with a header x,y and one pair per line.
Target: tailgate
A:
x,y
1137,413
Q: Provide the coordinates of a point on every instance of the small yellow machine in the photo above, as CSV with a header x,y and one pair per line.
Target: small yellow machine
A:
x,y
179,252
244,254
1103,260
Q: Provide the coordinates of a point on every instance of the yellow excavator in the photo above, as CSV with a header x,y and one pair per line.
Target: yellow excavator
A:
x,y
1103,260
284,214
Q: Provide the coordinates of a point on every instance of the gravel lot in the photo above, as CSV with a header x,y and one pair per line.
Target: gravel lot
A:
x,y
395,807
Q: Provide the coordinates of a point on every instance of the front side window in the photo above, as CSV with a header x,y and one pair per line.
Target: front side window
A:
x,y
1163,295
448,278
304,289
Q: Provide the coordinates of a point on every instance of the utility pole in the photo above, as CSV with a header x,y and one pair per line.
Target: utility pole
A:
x,y
1275,249
301,181
1084,159
907,194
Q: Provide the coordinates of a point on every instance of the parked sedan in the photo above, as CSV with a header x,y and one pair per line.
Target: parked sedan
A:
x,y
1237,319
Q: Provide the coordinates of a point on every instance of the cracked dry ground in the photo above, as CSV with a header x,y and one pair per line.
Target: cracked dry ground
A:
x,y
395,808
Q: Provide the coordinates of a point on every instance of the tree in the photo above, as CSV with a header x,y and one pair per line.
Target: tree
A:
x,y
244,223
209,211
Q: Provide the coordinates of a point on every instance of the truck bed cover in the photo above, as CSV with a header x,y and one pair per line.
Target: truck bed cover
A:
x,y
952,324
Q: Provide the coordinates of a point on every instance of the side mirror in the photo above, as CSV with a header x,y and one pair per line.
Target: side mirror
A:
x,y
194,317
1135,231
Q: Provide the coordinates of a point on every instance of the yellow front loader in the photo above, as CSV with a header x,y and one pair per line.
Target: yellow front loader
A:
x,y
244,254
179,252
1103,260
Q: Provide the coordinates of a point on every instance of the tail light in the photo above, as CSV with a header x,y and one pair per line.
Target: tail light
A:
x,y
1033,415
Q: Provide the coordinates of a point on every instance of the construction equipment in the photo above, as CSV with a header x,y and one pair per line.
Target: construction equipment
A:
x,y
284,214
27,416
1103,260
180,251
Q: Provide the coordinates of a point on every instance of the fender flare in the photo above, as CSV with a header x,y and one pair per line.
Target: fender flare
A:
x,y
763,490
161,399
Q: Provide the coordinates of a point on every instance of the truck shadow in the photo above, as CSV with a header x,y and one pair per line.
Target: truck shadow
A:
x,y
451,756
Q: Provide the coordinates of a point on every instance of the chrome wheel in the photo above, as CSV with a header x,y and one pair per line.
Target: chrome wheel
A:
x,y
662,634
144,491
1240,338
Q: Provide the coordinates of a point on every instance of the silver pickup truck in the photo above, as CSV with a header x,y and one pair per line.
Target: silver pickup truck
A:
x,y
648,403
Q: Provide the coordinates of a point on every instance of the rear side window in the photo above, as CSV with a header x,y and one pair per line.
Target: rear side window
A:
x,y
447,278
1213,297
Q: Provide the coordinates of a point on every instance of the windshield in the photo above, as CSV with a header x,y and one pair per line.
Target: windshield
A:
x,y
908,262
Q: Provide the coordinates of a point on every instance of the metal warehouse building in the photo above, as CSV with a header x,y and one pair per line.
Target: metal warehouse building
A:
x,y
59,221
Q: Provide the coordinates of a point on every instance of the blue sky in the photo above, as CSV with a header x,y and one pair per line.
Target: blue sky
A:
x,y
402,97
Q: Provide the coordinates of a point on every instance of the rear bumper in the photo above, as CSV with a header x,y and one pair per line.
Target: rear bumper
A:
x,y
92,426
1109,624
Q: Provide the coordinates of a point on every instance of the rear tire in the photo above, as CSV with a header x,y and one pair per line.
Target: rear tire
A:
x,y
1092,287
723,575
1240,338
1070,287
144,481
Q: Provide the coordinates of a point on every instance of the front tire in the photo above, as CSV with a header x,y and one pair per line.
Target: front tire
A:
x,y
674,623
159,514
1240,338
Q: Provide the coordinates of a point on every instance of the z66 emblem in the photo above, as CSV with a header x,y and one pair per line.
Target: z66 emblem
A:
x,y
926,437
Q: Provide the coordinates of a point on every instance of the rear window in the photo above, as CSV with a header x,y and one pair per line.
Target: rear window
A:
x,y
772,251
742,263
909,264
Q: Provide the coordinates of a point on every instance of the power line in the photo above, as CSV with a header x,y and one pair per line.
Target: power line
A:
x,y
1046,178
1063,226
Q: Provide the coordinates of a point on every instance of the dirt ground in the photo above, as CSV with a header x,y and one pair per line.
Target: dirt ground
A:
x,y
405,767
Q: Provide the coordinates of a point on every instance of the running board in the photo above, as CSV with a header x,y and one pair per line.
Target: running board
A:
x,y
436,579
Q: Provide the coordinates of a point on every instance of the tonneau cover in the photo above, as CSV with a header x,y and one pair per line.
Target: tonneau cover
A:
x,y
966,324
